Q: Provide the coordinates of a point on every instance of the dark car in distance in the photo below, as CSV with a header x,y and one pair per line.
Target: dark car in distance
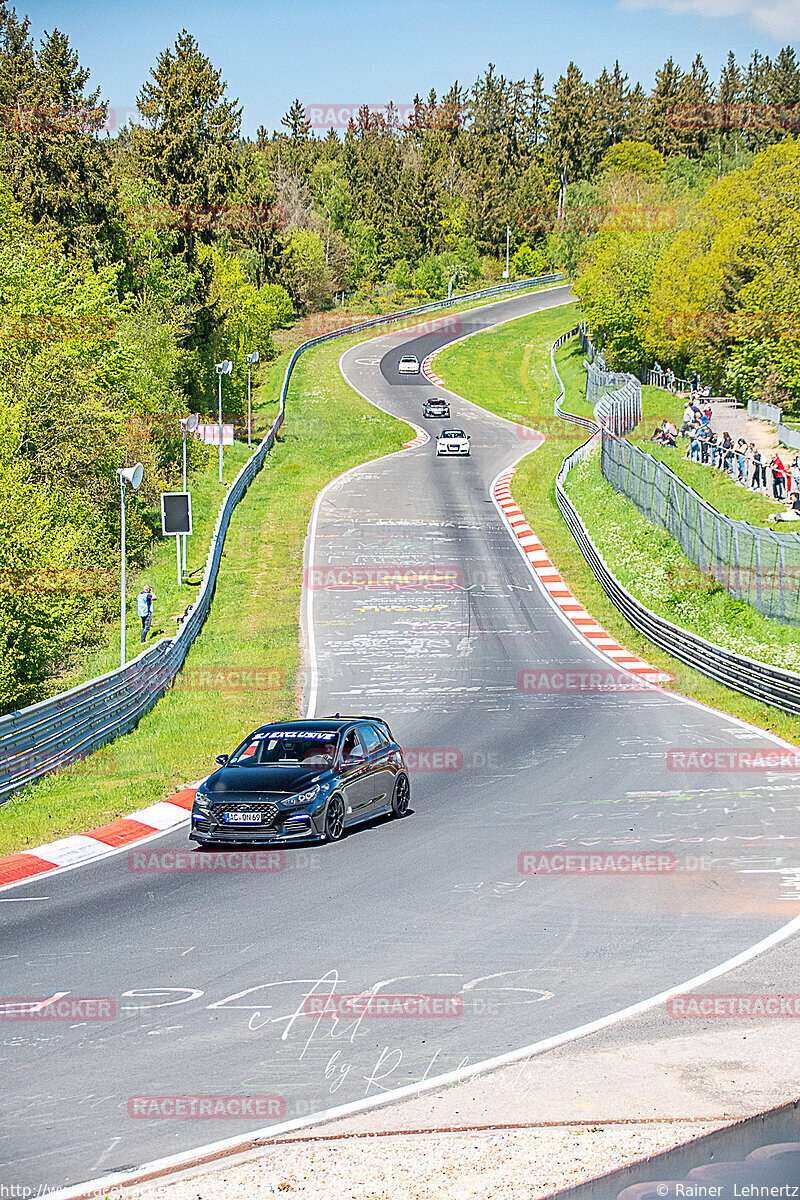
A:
x,y
435,408
306,780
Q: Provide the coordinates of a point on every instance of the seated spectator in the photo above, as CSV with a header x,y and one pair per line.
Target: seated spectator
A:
x,y
706,391
792,511
670,433
705,416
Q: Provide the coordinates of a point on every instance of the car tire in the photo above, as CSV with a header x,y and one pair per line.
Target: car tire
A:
x,y
334,819
401,796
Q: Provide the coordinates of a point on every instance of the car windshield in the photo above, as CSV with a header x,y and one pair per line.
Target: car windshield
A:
x,y
452,433
287,748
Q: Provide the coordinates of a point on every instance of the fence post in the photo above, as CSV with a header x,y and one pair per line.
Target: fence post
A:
x,y
782,580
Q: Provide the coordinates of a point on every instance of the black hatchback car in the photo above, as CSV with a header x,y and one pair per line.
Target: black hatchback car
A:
x,y
305,780
435,408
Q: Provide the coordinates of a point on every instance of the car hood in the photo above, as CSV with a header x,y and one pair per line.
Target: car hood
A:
x,y
245,780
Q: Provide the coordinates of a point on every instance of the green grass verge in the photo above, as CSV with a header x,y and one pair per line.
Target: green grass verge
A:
x,y
507,371
252,627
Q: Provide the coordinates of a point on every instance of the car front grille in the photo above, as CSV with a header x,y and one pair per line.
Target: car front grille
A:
x,y
267,807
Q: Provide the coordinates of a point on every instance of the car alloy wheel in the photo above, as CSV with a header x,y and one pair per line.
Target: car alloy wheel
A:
x,y
334,818
401,796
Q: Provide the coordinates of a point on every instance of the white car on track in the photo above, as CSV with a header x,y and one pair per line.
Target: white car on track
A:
x,y
408,365
452,441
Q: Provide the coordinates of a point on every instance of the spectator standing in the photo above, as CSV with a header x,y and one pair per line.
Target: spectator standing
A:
x,y
726,448
693,449
741,460
144,607
688,419
694,383
759,471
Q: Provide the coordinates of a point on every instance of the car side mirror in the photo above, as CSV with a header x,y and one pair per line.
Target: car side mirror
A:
x,y
222,759
356,755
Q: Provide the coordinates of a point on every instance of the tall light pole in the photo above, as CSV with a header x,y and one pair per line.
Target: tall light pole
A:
x,y
251,358
506,273
127,476
188,425
223,368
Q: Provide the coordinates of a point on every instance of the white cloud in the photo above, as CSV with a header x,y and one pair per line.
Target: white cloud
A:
x,y
779,18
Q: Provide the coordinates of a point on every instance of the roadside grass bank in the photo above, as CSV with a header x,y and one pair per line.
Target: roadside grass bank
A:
x,y
242,669
507,371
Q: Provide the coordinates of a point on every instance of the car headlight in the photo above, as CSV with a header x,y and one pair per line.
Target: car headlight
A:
x,y
202,801
303,797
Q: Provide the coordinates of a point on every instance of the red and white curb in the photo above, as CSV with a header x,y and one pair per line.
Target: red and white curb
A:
x,y
559,593
428,371
421,437
80,848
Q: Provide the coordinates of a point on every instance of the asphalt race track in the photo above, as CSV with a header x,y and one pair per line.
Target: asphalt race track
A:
x,y
209,972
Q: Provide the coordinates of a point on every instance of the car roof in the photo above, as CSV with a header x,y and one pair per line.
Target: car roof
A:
x,y
460,432
318,724
409,358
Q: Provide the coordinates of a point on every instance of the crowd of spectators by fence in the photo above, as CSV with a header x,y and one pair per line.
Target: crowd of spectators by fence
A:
x,y
775,476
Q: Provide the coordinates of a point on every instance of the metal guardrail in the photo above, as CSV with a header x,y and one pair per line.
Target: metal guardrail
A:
x,y
770,412
771,685
56,732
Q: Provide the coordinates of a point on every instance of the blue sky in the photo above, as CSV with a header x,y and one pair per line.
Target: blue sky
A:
x,y
345,52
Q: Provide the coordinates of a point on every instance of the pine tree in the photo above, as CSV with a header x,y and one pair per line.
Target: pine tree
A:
x,y
190,127
664,117
571,151
695,94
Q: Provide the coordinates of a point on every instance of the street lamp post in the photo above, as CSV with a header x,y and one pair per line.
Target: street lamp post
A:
x,y
132,476
188,425
223,368
251,358
450,287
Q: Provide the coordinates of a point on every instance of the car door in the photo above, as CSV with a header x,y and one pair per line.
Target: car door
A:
x,y
353,775
379,777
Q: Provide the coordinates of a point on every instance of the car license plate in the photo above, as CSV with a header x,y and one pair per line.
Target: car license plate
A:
x,y
243,818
